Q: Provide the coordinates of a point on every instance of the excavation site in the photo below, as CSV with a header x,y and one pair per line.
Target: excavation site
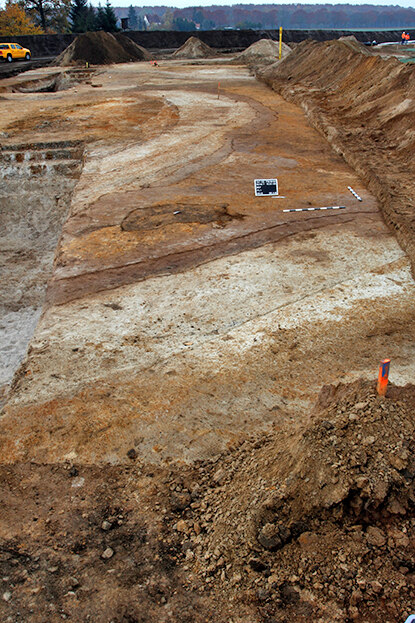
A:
x,y
192,425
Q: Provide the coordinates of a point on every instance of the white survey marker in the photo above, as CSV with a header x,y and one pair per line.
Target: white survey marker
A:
x,y
312,209
266,188
354,193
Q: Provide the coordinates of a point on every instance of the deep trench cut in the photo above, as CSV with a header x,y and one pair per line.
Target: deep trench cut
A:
x,y
37,184
60,81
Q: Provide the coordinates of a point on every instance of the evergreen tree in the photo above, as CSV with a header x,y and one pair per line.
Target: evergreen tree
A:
x,y
132,18
180,23
78,15
100,21
91,19
110,18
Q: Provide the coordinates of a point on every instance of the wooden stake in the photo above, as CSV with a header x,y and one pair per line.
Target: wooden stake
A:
x,y
218,89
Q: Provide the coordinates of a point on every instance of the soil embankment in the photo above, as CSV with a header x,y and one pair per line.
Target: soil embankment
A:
x,y
364,105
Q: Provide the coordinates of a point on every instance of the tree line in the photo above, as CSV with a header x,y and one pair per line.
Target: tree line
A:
x,y
42,16
26,17
271,16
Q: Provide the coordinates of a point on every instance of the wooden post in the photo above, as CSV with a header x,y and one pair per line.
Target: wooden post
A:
x,y
279,56
383,377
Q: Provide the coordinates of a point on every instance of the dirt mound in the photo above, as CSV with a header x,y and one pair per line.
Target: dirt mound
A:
x,y
194,48
355,45
315,524
265,48
136,52
95,48
365,106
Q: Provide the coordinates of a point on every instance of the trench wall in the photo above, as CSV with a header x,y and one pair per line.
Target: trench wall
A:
x,y
36,185
364,105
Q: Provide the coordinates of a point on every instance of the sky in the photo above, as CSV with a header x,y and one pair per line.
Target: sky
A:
x,y
181,4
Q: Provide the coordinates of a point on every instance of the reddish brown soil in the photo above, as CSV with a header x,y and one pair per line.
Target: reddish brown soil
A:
x,y
311,520
314,523
365,106
125,260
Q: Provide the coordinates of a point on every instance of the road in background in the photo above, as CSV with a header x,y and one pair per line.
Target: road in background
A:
x,y
7,70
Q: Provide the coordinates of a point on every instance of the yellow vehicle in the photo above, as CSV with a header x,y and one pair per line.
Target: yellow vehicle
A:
x,y
12,51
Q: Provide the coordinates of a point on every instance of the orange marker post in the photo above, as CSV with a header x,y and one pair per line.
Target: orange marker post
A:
x,y
383,376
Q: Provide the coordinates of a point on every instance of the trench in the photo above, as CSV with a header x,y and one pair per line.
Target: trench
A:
x,y
53,83
181,312
37,184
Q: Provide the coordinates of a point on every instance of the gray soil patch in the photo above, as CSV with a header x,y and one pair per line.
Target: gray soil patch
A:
x,y
37,184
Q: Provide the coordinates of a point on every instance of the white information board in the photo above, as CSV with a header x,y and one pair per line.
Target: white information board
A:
x,y
266,188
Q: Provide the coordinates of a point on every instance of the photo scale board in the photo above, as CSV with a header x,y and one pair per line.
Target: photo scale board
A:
x,y
266,188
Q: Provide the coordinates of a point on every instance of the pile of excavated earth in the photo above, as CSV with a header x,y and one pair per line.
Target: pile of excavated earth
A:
x,y
101,48
190,428
262,50
315,522
194,48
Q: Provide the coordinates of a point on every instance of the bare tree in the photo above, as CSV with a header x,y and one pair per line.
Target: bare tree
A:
x,y
44,11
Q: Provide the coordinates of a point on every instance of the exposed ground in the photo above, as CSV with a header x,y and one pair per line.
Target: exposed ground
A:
x,y
187,328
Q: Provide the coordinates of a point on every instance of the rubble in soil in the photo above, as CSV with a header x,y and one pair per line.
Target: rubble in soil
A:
x,y
364,105
297,525
314,524
101,48
194,48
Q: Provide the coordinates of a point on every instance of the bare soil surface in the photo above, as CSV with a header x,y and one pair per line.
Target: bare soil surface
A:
x,y
164,454
309,522
363,104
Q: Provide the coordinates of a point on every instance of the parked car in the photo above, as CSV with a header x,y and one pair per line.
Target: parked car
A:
x,y
12,51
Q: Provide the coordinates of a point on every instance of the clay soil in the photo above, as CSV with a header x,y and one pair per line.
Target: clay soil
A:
x,y
194,433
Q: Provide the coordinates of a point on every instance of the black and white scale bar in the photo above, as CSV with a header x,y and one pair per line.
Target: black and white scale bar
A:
x,y
354,193
312,209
